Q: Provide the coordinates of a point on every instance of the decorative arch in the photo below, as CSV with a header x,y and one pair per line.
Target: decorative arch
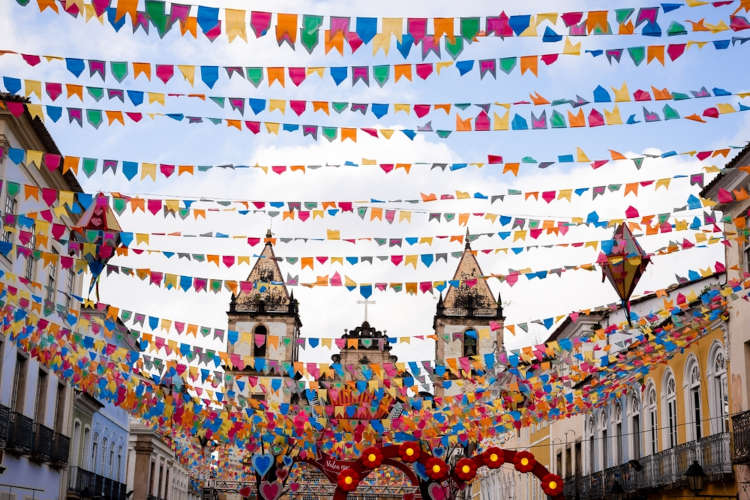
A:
x,y
469,343
438,471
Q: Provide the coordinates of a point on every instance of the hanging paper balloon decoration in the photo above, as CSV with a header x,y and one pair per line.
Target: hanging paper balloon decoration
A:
x,y
100,219
623,263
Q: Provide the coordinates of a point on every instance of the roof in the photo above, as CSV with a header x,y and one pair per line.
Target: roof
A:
x,y
730,165
266,270
605,311
44,136
469,268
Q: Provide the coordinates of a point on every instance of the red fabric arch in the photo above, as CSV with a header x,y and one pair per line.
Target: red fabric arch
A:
x,y
391,457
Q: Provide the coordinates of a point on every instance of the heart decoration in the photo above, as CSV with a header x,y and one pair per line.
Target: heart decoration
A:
x,y
294,487
438,452
270,491
282,473
288,461
245,491
262,464
437,492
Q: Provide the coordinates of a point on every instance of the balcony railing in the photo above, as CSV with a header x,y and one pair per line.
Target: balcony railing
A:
x,y
88,484
665,469
741,437
20,434
60,450
4,425
41,450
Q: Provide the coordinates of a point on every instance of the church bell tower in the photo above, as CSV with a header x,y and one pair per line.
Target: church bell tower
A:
x,y
266,319
468,307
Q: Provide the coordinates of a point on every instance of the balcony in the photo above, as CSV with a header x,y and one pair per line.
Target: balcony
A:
x,y
4,425
20,434
88,484
665,469
741,437
60,450
41,449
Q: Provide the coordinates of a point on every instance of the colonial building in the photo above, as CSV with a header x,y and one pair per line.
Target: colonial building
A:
x,y
35,405
154,471
733,183
642,441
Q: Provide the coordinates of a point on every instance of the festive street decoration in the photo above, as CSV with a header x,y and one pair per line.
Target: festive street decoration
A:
x,y
624,264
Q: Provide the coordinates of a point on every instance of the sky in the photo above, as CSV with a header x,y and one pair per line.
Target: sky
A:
x,y
328,312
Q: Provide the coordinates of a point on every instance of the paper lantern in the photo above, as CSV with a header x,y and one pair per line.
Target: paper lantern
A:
x,y
623,263
98,220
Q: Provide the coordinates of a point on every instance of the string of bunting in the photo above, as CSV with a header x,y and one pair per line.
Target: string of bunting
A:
x,y
381,74
672,347
131,170
96,117
425,259
197,284
355,32
256,105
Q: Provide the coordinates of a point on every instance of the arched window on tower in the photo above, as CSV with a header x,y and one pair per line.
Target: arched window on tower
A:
x,y
260,341
470,343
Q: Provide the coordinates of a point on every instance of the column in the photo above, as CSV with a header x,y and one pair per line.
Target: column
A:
x,y
142,469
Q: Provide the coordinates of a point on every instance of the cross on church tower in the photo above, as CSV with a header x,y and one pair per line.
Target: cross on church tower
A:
x,y
366,303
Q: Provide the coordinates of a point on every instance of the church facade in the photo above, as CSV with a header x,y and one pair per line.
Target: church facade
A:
x,y
467,323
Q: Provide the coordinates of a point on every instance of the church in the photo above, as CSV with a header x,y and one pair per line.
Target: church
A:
x,y
268,319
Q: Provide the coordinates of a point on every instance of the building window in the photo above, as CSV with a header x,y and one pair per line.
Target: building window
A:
x,y
578,459
693,391
51,283
19,384
104,457
635,428
76,443
69,280
41,397
152,479
618,434
94,451
670,408
60,408
118,474
653,428
29,270
260,341
10,208
84,449
470,343
718,389
112,461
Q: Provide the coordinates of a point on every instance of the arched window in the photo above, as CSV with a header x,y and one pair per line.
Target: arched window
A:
x,y
717,389
470,343
104,457
669,396
76,450
651,420
693,398
635,425
618,434
592,443
94,452
85,447
260,341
